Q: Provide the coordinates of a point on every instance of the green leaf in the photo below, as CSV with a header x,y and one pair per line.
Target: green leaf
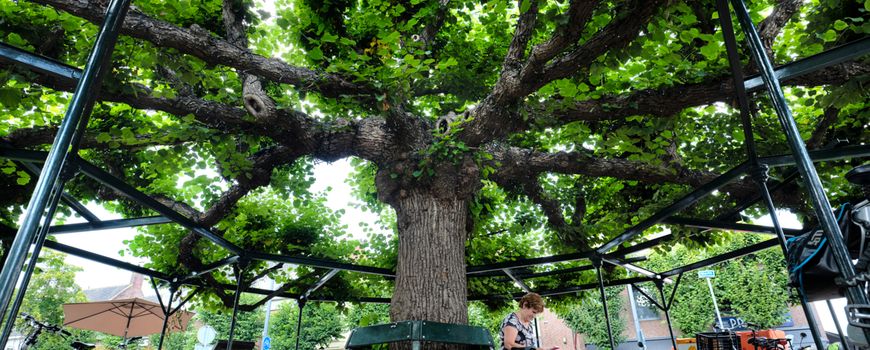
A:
x,y
686,36
840,25
566,88
329,38
23,178
450,62
283,22
103,137
525,6
315,54
635,68
688,19
10,97
710,51
392,38
829,35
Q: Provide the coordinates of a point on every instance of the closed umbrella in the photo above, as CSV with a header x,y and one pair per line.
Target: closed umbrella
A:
x,y
124,318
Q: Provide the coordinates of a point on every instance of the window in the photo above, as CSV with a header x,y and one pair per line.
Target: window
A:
x,y
645,309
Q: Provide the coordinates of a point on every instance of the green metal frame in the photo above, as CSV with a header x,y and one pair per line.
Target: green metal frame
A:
x,y
63,158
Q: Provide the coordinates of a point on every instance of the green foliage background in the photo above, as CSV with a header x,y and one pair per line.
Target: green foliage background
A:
x,y
51,286
321,324
754,286
587,318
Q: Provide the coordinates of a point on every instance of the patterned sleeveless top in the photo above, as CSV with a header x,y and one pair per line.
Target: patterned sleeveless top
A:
x,y
525,334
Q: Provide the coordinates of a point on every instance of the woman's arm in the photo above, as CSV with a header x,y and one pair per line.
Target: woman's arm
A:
x,y
510,337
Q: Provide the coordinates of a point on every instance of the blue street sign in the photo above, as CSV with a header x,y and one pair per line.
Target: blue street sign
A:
x,y
267,343
706,274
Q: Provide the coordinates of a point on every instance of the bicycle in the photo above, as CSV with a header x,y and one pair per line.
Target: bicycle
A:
x,y
764,343
38,327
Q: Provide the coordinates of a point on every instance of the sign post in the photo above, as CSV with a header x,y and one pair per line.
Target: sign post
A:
x,y
707,275
267,342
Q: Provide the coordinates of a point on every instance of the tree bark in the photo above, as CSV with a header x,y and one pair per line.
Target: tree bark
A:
x,y
430,275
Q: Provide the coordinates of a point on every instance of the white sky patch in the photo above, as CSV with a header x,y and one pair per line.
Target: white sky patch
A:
x,y
106,243
334,176
109,243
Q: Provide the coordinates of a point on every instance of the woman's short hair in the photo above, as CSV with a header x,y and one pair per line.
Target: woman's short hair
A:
x,y
532,301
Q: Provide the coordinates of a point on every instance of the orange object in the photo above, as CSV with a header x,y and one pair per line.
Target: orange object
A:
x,y
686,344
766,333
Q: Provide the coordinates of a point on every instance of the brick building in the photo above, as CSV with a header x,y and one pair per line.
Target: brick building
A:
x,y
554,332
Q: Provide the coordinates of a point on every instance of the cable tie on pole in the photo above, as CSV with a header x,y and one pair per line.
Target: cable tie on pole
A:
x,y
761,173
596,261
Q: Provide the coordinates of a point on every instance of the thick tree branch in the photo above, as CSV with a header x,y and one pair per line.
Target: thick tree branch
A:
x,y
213,114
518,164
431,30
263,164
201,44
410,131
552,208
770,27
573,234
497,115
824,125
668,101
505,91
702,12
616,35
30,137
254,98
368,138
579,13
523,32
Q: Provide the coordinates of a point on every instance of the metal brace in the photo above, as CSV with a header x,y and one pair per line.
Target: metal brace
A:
x,y
858,315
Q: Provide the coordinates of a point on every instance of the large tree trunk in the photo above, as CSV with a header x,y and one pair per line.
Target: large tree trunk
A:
x,y
430,275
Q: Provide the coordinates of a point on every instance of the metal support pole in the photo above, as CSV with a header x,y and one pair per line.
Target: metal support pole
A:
x,y
28,273
167,309
301,303
597,264
737,77
761,179
805,166
239,267
637,330
667,309
837,324
76,113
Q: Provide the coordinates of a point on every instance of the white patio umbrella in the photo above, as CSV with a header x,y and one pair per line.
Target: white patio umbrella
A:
x,y
124,318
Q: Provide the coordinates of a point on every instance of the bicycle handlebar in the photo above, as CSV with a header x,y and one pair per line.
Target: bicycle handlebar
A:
x,y
46,326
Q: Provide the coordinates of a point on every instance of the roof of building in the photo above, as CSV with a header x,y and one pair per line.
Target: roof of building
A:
x,y
105,293
127,291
